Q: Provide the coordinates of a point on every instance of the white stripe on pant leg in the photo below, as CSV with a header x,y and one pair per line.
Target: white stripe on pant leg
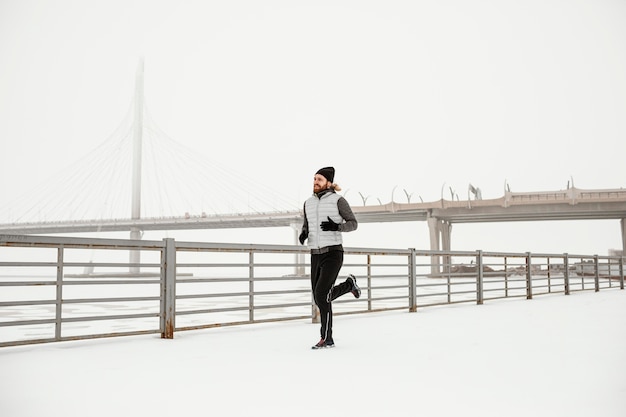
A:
x,y
327,326
328,314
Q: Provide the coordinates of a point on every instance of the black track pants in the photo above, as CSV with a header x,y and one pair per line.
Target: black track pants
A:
x,y
324,271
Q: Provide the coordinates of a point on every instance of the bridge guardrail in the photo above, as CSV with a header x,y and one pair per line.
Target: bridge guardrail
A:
x,y
60,288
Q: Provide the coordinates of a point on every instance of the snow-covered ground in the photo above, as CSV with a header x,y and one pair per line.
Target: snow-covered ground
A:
x,y
551,356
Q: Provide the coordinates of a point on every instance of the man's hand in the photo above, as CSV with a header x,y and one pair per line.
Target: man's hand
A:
x,y
329,225
302,237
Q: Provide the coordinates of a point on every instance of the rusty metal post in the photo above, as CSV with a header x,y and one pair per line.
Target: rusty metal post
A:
x,y
480,298
549,274
59,294
251,286
315,312
621,273
566,273
168,289
412,283
596,274
369,282
529,278
506,277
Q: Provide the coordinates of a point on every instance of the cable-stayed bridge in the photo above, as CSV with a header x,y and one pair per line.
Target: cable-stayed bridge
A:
x,y
570,204
102,198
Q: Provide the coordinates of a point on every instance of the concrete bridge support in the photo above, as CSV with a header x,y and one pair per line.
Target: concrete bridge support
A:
x,y
623,224
299,269
440,240
135,255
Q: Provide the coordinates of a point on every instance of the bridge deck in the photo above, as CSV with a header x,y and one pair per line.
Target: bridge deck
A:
x,y
570,204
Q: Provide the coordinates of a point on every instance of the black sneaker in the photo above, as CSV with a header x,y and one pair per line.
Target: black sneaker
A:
x,y
323,344
356,291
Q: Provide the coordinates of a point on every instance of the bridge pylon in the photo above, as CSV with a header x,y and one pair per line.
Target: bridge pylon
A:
x,y
440,240
138,114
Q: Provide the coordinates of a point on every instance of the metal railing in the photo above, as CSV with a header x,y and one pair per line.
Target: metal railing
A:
x,y
59,288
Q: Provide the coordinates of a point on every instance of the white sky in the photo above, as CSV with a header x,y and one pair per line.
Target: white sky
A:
x,y
416,95
556,355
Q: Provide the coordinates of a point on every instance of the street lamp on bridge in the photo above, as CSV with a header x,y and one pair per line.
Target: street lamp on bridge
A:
x,y
364,198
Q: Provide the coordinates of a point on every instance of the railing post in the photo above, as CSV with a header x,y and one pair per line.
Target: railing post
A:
x,y
529,278
59,294
621,273
369,282
251,286
412,282
549,274
479,277
566,273
582,273
168,289
315,312
506,277
449,285
596,274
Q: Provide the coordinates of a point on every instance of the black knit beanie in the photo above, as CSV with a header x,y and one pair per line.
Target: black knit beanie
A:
x,y
328,173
